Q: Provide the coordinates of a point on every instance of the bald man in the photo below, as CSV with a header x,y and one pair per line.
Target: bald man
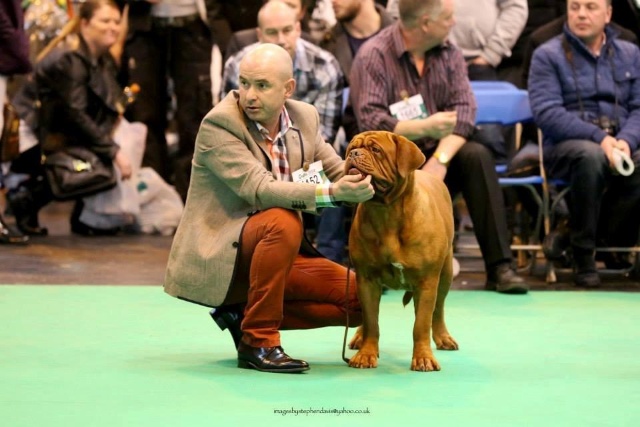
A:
x,y
259,163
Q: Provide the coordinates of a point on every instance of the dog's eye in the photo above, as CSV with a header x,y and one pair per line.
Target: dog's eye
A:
x,y
375,149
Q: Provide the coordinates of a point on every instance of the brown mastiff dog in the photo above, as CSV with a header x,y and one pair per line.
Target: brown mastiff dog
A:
x,y
402,239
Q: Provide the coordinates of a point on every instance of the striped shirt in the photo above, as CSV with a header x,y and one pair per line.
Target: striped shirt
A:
x,y
383,74
319,81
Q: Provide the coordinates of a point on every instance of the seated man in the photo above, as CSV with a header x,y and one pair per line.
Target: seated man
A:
x,y
243,38
407,79
584,87
240,246
553,28
319,80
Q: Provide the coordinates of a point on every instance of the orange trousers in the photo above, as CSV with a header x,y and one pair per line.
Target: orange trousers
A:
x,y
284,289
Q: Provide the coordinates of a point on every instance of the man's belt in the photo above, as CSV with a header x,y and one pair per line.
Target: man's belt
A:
x,y
175,21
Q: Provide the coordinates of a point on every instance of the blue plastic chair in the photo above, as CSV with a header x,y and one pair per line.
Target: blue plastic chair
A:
x,y
501,105
505,104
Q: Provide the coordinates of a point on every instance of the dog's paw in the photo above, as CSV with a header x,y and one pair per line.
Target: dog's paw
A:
x,y
364,360
356,341
424,363
445,342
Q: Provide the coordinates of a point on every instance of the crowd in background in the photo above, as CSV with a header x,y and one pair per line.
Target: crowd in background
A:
x,y
183,55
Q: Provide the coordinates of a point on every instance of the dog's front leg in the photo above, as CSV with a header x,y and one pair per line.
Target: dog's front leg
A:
x,y
369,294
424,303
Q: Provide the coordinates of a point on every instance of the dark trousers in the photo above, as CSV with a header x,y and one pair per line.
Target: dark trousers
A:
x,y
472,172
602,205
184,55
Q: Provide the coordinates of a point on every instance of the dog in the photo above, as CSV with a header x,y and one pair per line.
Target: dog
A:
x,y
402,238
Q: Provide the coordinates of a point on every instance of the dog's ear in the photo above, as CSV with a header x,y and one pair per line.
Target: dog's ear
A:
x,y
408,155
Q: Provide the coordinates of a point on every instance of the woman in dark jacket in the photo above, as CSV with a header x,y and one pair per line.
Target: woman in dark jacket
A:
x,y
80,102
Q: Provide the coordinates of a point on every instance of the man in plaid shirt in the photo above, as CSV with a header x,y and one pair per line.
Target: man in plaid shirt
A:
x,y
319,79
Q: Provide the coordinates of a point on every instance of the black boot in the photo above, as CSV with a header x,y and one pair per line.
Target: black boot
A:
x,y
26,201
82,229
586,274
9,235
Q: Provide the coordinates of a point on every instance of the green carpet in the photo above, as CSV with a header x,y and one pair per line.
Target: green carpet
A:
x,y
133,356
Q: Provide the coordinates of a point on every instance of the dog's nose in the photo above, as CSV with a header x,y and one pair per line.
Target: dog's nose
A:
x,y
354,153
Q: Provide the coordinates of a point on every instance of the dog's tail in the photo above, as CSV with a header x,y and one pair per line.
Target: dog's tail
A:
x,y
406,299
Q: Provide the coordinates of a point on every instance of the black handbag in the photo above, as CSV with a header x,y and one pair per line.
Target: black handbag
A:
x,y
76,172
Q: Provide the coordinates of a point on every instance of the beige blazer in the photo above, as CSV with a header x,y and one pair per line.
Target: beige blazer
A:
x,y
231,178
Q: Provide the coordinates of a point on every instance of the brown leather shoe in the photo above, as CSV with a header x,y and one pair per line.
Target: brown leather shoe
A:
x,y
268,359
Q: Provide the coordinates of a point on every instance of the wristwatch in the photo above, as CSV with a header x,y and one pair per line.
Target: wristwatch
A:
x,y
442,158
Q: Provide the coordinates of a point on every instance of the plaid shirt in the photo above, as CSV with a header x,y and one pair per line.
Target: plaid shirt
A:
x,y
277,147
278,152
319,81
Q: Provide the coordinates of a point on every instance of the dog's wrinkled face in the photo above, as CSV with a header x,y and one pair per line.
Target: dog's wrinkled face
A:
x,y
387,157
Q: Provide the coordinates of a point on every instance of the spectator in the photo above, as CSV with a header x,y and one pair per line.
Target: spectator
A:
x,y
584,87
171,40
241,39
485,32
240,245
78,95
555,28
357,22
409,80
14,59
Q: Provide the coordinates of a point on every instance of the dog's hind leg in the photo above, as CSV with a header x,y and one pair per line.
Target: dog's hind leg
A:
x,y
441,336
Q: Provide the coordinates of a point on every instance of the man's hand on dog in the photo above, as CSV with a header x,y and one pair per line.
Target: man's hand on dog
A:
x,y
353,189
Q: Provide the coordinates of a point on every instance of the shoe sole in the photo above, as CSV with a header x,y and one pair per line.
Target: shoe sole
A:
x,y
245,364
222,324
513,290
588,285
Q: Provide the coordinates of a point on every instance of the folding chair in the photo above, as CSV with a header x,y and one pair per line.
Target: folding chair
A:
x,y
503,103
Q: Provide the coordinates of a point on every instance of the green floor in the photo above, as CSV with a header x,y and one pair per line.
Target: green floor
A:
x,y
132,356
